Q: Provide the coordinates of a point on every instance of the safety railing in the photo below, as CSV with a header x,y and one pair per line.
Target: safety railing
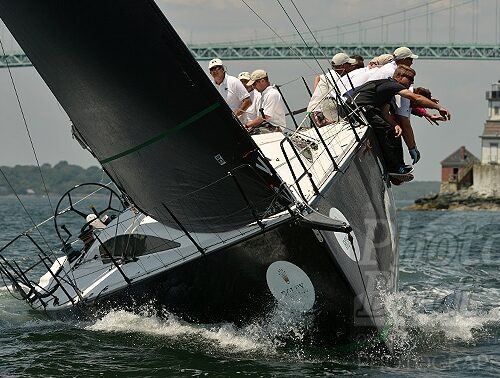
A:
x,y
25,280
323,139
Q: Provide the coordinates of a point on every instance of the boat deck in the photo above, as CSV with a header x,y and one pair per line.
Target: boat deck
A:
x,y
309,152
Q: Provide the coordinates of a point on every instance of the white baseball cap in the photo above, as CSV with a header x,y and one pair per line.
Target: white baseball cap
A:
x,y
244,75
215,62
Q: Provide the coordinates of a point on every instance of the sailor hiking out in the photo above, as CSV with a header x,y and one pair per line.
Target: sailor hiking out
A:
x,y
377,98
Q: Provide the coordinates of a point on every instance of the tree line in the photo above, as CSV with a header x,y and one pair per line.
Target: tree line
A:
x,y
25,179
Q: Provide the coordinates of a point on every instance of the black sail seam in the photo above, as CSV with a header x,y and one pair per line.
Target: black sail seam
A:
x,y
164,134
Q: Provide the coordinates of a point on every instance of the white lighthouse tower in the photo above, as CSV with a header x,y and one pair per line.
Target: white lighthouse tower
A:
x,y
491,134
487,174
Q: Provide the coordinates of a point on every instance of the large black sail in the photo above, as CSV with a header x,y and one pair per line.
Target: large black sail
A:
x,y
146,109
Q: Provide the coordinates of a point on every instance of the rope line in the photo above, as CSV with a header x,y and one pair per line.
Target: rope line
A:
x,y
294,51
300,35
309,29
27,128
25,209
351,239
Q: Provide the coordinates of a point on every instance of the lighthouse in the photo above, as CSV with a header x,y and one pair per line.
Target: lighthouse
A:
x,y
487,175
491,134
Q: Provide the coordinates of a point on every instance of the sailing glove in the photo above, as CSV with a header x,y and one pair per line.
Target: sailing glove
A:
x,y
415,154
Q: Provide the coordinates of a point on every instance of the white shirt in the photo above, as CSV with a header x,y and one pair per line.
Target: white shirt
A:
x,y
324,87
384,72
273,106
403,105
233,91
358,77
252,111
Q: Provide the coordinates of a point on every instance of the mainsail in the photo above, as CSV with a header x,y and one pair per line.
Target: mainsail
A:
x,y
146,109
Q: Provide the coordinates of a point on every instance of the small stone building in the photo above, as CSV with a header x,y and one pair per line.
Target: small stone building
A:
x,y
457,170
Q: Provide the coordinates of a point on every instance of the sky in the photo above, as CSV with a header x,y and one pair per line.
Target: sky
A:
x,y
460,85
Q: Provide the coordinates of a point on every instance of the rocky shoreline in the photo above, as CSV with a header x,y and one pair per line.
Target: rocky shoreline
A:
x,y
464,200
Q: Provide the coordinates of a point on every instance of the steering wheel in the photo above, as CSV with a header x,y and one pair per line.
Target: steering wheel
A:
x,y
114,204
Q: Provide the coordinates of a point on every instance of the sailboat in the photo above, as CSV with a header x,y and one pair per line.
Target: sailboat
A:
x,y
212,224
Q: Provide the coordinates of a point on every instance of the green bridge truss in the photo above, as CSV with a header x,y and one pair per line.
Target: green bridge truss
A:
x,y
282,51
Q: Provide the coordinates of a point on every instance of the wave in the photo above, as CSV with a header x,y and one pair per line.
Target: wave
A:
x,y
225,335
421,320
414,328
417,327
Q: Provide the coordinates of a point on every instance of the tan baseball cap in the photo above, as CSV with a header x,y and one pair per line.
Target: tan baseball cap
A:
x,y
342,58
384,59
257,75
403,52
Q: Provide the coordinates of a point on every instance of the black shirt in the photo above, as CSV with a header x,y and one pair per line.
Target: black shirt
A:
x,y
377,92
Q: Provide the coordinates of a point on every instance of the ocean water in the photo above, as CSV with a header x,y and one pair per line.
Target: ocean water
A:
x,y
445,319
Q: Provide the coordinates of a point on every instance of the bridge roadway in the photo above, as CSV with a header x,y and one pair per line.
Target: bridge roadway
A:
x,y
282,51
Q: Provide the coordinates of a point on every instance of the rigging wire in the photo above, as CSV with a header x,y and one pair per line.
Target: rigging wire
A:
x,y
327,75
305,43
303,40
26,126
309,29
330,79
293,50
25,209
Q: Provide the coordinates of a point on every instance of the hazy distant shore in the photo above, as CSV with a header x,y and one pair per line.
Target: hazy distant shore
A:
x,y
27,180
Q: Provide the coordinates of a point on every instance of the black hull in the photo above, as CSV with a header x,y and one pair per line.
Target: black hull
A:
x,y
230,285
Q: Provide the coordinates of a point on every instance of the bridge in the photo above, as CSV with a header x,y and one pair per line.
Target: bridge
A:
x,y
475,24
302,51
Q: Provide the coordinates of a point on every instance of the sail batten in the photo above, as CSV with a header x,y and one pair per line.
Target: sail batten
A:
x,y
157,125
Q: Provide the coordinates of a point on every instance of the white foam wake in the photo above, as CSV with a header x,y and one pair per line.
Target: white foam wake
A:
x,y
226,335
415,329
